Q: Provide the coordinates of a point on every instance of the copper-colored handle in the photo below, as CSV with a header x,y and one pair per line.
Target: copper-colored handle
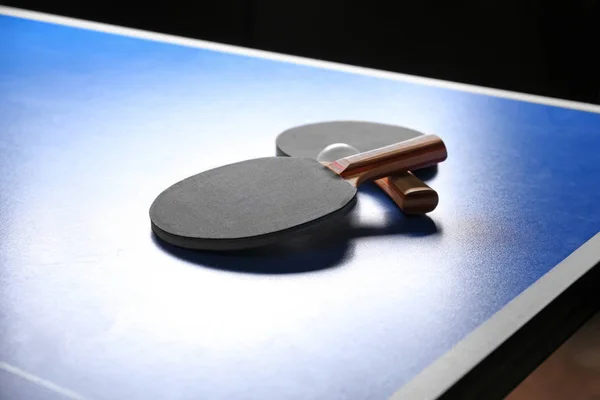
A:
x,y
422,151
412,195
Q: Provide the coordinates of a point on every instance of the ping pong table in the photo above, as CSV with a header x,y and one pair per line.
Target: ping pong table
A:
x,y
96,120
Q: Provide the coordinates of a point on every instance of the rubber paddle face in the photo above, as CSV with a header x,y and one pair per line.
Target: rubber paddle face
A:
x,y
310,140
249,204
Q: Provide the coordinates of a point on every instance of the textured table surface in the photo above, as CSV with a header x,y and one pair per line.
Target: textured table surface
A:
x,y
93,125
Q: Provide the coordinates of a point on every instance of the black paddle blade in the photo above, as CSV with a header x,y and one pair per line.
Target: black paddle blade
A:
x,y
309,140
249,204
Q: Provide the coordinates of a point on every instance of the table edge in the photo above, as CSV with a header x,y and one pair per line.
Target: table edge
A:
x,y
263,54
439,378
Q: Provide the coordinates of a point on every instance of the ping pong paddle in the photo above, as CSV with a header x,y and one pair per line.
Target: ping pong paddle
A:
x,y
266,200
412,195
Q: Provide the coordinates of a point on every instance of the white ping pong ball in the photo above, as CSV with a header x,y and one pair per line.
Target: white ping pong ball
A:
x,y
336,151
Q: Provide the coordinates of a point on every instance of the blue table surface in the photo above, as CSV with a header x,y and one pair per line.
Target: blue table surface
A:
x,y
94,125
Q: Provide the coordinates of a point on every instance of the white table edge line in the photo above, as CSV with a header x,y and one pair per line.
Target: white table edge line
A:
x,y
437,378
36,380
231,49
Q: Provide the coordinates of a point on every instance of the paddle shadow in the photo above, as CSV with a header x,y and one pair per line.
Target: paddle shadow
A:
x,y
327,245
426,174
395,222
305,253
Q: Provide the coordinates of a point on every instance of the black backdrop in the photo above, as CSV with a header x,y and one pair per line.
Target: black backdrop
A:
x,y
541,47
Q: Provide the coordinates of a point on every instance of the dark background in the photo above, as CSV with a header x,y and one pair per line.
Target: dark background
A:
x,y
546,48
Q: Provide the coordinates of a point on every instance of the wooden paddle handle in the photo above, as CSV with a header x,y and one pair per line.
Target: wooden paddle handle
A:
x,y
419,152
411,194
